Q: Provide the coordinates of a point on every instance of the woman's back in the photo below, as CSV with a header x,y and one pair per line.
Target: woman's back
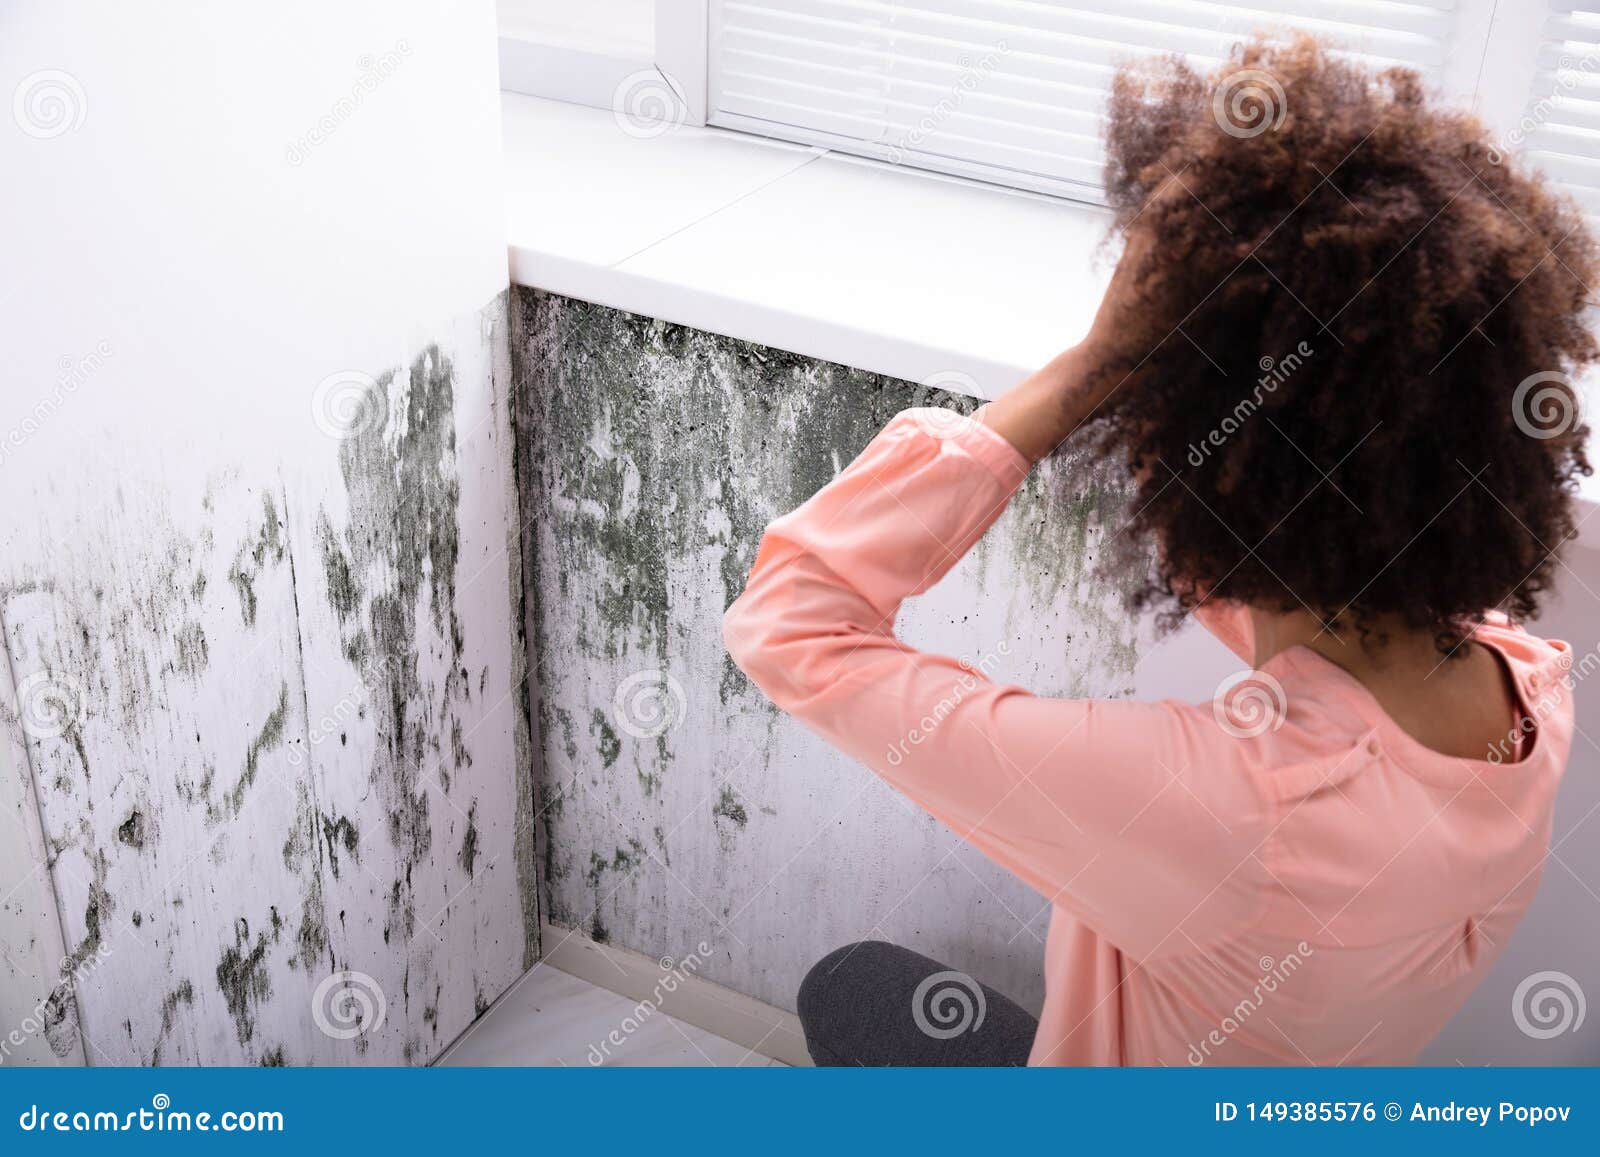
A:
x,y
1279,876
1331,357
1392,876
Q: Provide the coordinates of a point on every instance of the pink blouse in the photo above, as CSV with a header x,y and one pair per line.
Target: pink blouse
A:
x,y
1281,877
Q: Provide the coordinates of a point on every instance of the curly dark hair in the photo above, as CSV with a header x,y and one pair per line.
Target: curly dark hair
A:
x,y
1344,389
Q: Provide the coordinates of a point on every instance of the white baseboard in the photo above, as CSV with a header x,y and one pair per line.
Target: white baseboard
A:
x,y
769,1031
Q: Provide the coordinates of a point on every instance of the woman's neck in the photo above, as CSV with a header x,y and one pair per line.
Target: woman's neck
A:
x,y
1458,705
1389,649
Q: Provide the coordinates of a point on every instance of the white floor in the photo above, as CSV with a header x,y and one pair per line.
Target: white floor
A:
x,y
552,1018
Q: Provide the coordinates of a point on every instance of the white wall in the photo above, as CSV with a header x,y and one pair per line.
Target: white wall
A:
x,y
282,627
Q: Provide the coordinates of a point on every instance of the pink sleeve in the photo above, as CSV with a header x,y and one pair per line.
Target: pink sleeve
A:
x,y
1128,814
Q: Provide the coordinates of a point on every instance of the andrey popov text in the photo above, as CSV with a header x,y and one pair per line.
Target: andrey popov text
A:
x,y
1448,1113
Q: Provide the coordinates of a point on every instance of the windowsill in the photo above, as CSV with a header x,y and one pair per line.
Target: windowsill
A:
x,y
895,271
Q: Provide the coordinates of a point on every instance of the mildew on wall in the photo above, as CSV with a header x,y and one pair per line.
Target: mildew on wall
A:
x,y
680,806
276,728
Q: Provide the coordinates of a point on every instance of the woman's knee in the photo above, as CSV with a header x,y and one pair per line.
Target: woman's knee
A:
x,y
865,1003
840,978
855,1005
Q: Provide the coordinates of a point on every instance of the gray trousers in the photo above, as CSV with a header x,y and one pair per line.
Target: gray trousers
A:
x,y
878,1004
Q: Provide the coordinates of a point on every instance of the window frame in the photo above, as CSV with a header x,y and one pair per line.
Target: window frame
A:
x,y
536,66
1490,67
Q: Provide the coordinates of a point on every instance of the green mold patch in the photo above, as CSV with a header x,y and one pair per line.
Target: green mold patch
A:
x,y
97,912
268,737
607,745
193,654
729,808
394,563
244,982
262,548
302,855
344,588
182,995
729,817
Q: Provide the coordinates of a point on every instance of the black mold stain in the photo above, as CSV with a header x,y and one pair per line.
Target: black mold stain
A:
x,y
607,745
624,862
97,911
302,856
344,588
313,935
183,994
400,547
273,1059
458,748
729,817
268,737
339,833
193,653
132,829
264,547
242,977
729,807
61,1019
468,856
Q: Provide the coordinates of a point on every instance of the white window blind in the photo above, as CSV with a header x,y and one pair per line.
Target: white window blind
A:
x,y
1560,128
1011,91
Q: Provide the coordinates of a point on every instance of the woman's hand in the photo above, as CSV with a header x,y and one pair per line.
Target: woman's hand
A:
x,y
1043,410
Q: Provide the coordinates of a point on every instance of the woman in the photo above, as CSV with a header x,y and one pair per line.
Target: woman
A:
x,y
1326,883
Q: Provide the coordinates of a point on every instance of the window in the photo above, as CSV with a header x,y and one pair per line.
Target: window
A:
x,y
1013,91
1009,90
1559,130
